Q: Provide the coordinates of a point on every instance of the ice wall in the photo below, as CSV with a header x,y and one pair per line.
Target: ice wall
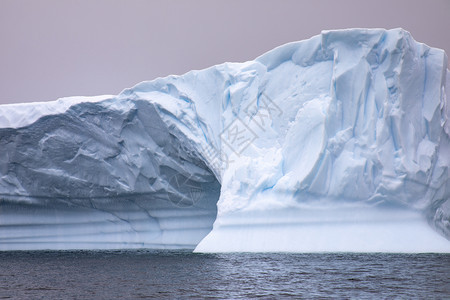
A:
x,y
336,143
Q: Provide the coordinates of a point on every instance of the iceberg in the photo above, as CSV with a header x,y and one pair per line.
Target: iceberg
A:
x,y
336,143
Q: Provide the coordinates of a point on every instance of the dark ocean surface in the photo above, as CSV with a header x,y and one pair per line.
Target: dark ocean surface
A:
x,y
136,274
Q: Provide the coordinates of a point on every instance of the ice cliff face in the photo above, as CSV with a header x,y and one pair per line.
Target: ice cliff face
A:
x,y
336,143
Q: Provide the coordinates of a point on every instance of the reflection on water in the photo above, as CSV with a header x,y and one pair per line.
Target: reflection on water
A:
x,y
180,274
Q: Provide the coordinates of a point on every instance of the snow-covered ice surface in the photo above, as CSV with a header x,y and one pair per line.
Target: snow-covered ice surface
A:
x,y
336,143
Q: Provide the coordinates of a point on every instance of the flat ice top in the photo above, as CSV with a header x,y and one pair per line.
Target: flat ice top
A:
x,y
22,114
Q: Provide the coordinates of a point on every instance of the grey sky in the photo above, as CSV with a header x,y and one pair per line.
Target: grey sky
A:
x,y
51,49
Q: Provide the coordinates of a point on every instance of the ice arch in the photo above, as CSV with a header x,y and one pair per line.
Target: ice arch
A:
x,y
337,143
105,177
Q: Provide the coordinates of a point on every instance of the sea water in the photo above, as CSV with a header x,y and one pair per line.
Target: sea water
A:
x,y
135,274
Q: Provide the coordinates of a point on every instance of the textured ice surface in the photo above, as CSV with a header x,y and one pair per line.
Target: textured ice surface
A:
x,y
336,143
